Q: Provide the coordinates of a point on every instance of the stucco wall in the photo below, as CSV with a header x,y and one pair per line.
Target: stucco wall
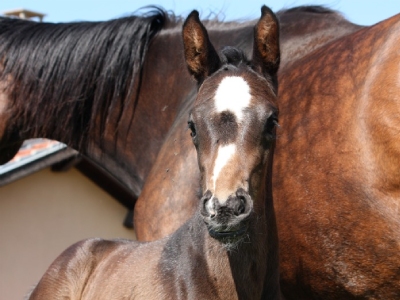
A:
x,y
44,213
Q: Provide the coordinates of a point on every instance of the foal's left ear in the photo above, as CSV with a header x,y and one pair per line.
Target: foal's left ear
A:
x,y
201,58
266,53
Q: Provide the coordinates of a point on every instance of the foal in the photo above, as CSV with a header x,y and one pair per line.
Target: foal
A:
x,y
228,249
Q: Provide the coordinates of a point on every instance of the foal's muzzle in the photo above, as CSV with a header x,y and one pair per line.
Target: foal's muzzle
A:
x,y
228,219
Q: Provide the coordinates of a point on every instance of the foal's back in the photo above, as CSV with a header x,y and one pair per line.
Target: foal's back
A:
x,y
186,265
103,269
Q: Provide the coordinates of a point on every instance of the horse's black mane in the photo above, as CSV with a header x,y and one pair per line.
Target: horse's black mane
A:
x,y
71,70
82,69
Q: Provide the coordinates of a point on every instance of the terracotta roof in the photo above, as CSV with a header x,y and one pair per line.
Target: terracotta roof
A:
x,y
33,156
30,151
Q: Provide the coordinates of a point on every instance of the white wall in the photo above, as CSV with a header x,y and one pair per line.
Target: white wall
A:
x,y
43,214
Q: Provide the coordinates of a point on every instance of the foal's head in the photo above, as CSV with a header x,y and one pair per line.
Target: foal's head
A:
x,y
233,122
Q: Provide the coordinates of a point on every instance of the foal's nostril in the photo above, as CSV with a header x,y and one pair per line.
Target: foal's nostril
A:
x,y
207,205
241,208
239,202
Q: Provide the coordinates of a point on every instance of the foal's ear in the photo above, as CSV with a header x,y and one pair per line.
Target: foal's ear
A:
x,y
201,58
266,54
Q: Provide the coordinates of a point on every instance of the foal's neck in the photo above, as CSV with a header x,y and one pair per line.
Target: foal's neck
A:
x,y
243,262
209,268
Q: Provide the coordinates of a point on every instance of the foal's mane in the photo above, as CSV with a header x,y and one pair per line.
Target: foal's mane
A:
x,y
70,72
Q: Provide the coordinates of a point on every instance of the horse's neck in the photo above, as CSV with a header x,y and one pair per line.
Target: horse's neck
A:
x,y
320,29
243,266
76,101
214,269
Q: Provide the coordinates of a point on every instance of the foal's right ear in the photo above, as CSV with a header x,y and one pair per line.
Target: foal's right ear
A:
x,y
266,53
201,58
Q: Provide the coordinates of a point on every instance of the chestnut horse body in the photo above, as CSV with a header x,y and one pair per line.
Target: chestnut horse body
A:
x,y
336,181
221,252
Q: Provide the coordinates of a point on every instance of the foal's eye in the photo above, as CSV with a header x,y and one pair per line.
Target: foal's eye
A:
x,y
270,125
192,129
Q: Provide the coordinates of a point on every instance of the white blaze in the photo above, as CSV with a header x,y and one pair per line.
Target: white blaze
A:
x,y
233,94
225,153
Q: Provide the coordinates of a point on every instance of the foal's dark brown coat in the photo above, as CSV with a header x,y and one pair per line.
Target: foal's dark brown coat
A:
x,y
230,253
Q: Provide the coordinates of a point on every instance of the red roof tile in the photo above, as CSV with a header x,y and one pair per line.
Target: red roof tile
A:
x,y
30,151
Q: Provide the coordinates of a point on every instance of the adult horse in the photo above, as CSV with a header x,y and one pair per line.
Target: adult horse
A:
x,y
221,252
109,89
336,177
